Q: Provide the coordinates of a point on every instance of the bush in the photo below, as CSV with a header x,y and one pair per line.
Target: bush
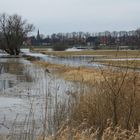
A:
x,y
60,46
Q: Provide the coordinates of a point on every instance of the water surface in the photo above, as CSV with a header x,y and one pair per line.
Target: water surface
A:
x,y
24,91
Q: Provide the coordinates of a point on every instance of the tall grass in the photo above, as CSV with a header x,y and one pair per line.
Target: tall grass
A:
x,y
116,98
110,111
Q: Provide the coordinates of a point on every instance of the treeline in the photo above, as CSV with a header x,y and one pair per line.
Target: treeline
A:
x,y
94,40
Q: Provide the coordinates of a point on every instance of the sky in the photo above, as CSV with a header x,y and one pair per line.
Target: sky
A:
x,y
53,16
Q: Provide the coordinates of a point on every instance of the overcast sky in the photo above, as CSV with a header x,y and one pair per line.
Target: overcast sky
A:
x,y
52,16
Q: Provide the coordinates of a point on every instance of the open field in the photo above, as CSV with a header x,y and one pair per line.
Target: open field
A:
x,y
104,53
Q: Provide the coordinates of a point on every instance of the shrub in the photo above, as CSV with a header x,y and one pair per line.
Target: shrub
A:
x,y
60,46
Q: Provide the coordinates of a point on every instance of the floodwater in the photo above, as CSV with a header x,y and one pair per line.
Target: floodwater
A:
x,y
30,96
76,61
25,91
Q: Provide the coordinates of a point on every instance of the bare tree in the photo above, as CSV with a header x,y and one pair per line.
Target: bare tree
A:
x,y
13,31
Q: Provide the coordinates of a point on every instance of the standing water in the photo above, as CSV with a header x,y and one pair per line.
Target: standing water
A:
x,y
30,99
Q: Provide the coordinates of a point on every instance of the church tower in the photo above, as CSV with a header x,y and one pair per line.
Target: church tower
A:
x,y
38,36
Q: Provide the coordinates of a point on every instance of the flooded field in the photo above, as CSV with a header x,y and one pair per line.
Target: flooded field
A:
x,y
29,97
90,59
75,61
37,101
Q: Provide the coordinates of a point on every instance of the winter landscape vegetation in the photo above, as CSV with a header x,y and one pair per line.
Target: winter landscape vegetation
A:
x,y
69,84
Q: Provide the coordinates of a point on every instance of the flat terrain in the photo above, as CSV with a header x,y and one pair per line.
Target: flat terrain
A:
x,y
107,53
117,58
74,74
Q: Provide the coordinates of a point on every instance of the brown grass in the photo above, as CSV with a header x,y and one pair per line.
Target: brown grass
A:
x,y
109,133
83,74
133,64
107,53
74,74
115,97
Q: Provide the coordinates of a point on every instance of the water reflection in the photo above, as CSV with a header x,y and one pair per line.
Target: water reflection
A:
x,y
28,88
12,66
6,84
83,60
12,72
